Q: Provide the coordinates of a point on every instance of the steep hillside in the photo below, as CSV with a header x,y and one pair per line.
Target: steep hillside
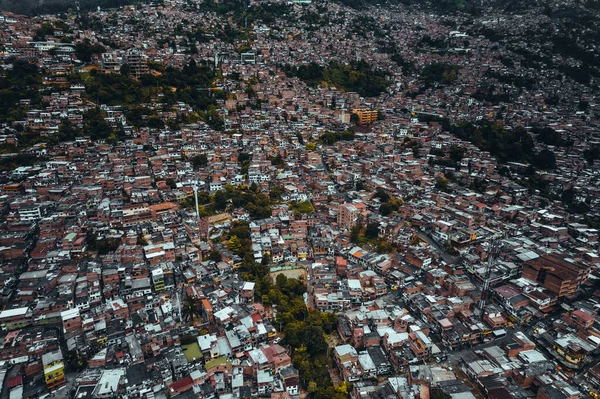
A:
x,y
31,7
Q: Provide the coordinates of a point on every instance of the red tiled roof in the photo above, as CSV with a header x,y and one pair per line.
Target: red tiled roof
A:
x,y
15,381
256,317
582,315
181,385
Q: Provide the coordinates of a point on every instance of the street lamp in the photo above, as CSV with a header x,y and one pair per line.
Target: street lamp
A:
x,y
195,188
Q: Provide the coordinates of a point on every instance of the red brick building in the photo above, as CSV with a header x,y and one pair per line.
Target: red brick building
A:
x,y
556,274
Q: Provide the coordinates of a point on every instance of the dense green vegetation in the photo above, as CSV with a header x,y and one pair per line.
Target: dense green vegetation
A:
x,y
488,93
549,136
239,242
592,221
568,198
256,203
36,7
188,85
437,393
200,161
76,361
357,76
302,208
449,159
277,160
505,144
22,81
305,330
515,80
429,42
115,89
438,73
242,13
85,50
389,205
333,137
241,18
244,159
591,155
544,159
14,161
102,245
307,337
45,29
407,66
369,234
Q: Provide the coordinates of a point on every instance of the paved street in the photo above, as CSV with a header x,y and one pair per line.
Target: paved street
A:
x,y
454,357
445,255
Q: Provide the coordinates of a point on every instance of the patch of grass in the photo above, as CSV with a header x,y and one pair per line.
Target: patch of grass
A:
x,y
192,352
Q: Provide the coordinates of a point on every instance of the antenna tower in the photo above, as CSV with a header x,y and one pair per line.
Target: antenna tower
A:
x,y
491,258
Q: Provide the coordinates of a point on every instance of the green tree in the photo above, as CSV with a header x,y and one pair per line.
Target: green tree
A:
x,y
91,239
220,199
107,245
281,280
277,160
125,70
85,50
215,256
75,361
200,161
591,154
275,193
355,233
456,153
171,183
234,244
544,159
372,230
190,308
441,183
386,209
381,194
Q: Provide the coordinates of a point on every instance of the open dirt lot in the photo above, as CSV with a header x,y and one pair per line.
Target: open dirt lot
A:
x,y
294,273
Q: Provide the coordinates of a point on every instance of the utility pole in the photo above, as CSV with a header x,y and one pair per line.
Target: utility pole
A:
x,y
195,188
179,306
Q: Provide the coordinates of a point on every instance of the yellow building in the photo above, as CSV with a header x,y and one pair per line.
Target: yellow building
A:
x,y
572,350
54,369
158,278
365,116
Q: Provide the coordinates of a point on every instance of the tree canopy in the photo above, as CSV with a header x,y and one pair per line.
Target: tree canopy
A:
x,y
356,76
506,144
